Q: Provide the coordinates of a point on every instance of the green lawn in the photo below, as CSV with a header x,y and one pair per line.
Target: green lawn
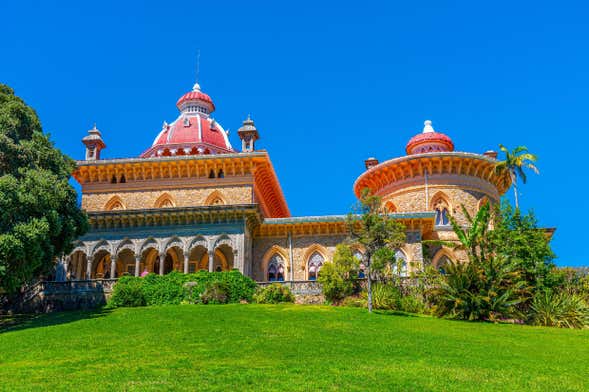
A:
x,y
256,347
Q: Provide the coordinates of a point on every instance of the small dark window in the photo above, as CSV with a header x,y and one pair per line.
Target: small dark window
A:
x,y
123,179
113,180
221,174
212,174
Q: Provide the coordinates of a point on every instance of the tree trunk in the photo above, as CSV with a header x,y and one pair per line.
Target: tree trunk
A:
x,y
369,284
515,191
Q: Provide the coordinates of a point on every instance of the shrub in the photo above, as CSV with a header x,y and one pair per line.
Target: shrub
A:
x,y
128,292
412,304
354,302
216,292
176,288
561,310
386,297
476,290
338,277
273,294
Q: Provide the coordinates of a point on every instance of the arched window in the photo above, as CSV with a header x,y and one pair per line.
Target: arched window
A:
x,y
113,180
221,174
443,264
400,265
115,203
314,265
215,199
276,269
361,267
123,179
390,207
441,209
164,201
211,173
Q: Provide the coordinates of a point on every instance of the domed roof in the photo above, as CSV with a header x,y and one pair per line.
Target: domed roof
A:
x,y
196,95
429,141
193,132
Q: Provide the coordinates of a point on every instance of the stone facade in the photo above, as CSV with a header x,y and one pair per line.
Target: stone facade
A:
x,y
179,197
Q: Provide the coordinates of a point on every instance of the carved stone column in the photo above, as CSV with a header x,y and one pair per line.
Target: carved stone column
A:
x,y
211,260
89,267
162,259
113,266
137,264
186,259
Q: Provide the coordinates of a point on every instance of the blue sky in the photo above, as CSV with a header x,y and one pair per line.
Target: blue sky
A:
x,y
327,86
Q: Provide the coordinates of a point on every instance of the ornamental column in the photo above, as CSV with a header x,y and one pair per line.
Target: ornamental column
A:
x,y
186,259
89,267
113,266
162,259
211,260
137,264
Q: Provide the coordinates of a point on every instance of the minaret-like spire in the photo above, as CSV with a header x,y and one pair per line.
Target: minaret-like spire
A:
x,y
428,126
248,133
94,144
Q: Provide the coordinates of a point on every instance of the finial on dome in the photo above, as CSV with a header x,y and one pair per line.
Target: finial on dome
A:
x,y
428,126
196,86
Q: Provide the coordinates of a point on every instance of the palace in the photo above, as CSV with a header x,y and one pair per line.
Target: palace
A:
x,y
192,201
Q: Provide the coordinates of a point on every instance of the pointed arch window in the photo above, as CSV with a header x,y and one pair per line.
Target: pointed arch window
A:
x,y
314,265
361,266
276,269
400,266
441,209
443,264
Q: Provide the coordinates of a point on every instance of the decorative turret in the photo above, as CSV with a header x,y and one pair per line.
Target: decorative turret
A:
x,y
94,144
248,135
429,141
370,163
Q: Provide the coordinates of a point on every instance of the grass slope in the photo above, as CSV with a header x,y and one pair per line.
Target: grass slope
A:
x,y
256,347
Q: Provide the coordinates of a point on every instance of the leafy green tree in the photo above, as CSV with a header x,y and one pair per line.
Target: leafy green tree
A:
x,y
39,213
338,278
487,287
514,164
374,229
517,237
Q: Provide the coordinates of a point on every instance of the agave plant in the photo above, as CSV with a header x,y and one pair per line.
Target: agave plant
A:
x,y
489,290
559,309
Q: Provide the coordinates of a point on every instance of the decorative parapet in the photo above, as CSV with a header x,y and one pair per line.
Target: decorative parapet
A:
x,y
422,222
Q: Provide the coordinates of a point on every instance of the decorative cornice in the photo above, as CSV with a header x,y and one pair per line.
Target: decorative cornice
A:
x,y
106,220
336,224
389,173
97,175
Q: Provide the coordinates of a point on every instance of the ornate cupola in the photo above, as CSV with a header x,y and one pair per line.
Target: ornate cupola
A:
x,y
94,144
248,135
429,141
194,132
196,101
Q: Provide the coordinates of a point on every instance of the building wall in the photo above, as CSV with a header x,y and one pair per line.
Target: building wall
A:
x,y
413,199
303,246
181,197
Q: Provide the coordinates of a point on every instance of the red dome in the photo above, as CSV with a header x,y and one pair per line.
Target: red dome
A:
x,y
429,141
194,96
193,132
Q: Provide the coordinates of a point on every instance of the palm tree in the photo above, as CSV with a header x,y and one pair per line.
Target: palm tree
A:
x,y
515,162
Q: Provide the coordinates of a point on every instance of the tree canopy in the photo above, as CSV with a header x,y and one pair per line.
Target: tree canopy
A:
x,y
39,213
377,232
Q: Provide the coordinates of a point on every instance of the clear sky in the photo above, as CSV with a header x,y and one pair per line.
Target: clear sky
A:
x,y
328,85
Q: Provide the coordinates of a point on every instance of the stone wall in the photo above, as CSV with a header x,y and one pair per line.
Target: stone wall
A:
x,y
181,197
303,246
413,199
45,297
